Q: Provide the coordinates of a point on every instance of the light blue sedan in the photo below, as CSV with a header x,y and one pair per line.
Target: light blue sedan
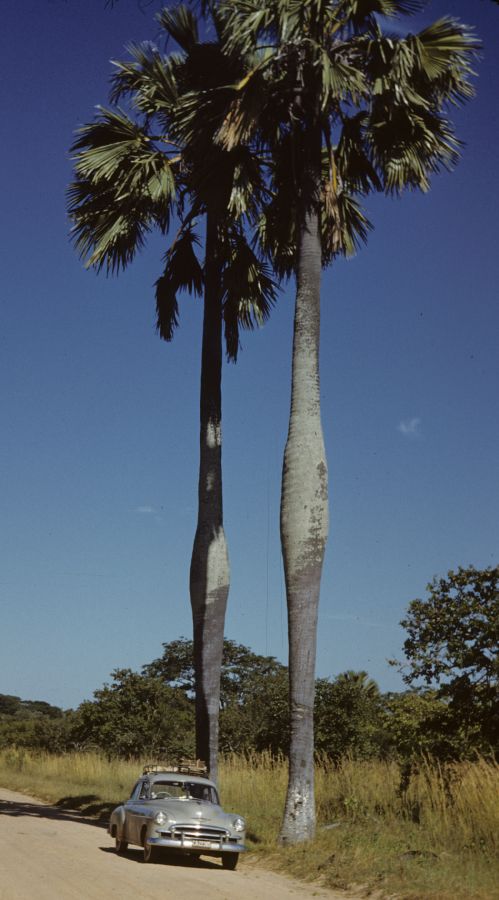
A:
x,y
177,809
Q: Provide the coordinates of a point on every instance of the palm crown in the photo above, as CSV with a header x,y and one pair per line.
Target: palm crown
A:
x,y
155,163
378,101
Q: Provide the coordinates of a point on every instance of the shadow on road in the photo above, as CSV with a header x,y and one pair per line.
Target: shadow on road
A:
x,y
166,859
82,809
87,805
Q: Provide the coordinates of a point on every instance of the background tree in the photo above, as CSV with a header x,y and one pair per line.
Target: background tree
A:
x,y
343,109
138,171
419,724
33,723
347,716
253,697
27,709
452,642
136,715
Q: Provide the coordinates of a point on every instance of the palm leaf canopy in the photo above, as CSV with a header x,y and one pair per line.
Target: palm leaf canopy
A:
x,y
380,101
150,159
125,185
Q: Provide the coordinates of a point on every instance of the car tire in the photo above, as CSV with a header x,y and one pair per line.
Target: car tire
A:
x,y
150,853
120,845
230,860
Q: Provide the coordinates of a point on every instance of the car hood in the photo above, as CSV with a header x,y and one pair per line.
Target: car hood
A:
x,y
189,810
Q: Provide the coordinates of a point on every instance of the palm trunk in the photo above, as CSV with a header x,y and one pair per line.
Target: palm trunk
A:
x,y
304,511
209,574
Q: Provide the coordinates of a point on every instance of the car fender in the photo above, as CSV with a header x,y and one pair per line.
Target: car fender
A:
x,y
117,817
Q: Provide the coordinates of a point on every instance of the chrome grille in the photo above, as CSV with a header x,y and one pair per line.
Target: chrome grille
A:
x,y
196,832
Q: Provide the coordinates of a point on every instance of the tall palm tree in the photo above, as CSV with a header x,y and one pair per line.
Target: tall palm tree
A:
x,y
344,109
147,168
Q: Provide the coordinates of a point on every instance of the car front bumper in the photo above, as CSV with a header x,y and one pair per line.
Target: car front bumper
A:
x,y
193,844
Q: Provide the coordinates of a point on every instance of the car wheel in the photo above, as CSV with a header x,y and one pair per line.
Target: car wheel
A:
x,y
150,853
120,845
229,860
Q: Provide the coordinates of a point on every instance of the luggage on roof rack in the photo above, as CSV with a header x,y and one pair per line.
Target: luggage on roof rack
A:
x,y
182,766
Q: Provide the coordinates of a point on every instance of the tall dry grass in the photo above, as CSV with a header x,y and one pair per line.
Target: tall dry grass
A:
x,y
434,835
430,836
54,777
453,805
456,804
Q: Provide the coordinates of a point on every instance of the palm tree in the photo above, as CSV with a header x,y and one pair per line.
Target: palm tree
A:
x,y
144,169
343,109
360,682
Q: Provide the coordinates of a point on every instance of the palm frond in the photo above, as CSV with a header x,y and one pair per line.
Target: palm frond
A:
x,y
277,234
148,78
181,24
105,236
291,19
248,291
244,111
182,272
410,144
244,21
114,147
344,227
443,54
123,187
353,159
342,78
413,78
360,13
431,67
248,188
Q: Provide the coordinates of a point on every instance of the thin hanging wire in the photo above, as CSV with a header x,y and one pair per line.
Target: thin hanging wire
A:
x,y
268,564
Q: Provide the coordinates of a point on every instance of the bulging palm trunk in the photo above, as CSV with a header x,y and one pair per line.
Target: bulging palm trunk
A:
x,y
304,522
209,574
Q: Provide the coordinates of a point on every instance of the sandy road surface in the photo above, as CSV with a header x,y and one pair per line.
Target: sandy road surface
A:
x,y
52,854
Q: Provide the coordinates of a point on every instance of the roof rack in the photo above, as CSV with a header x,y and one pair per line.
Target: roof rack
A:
x,y
182,766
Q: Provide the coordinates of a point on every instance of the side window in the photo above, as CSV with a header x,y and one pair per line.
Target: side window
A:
x,y
144,791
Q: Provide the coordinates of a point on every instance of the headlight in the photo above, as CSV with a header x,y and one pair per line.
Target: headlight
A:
x,y
239,824
160,818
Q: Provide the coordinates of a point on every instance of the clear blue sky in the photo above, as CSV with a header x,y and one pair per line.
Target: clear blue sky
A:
x,y
99,446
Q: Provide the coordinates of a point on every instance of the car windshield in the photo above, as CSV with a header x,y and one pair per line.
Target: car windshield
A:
x,y
183,790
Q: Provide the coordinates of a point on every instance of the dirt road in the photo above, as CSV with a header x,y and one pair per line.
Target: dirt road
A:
x,y
52,854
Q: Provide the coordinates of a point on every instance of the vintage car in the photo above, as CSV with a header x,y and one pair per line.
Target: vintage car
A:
x,y
177,808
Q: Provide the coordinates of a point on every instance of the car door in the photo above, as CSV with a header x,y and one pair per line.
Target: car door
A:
x,y
134,812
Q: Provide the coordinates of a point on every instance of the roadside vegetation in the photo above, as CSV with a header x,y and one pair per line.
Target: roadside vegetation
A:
x,y
432,832
407,785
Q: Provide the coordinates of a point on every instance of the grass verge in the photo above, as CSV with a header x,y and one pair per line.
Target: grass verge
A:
x,y
437,839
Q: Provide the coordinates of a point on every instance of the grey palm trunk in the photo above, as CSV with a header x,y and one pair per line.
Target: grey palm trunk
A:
x,y
304,524
209,573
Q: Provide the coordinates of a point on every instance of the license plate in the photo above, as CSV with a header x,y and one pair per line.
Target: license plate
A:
x,y
202,844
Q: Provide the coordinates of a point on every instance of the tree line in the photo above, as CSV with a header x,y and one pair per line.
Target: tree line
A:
x,y
451,646
269,123
143,714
